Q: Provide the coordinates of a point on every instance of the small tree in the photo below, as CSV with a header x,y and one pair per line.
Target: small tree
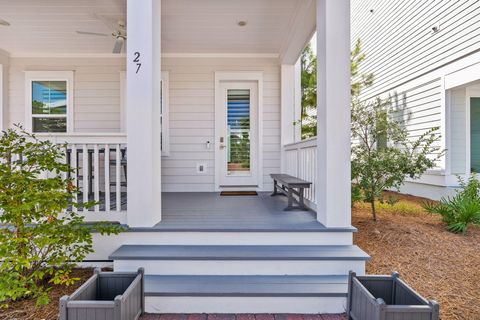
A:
x,y
39,238
383,154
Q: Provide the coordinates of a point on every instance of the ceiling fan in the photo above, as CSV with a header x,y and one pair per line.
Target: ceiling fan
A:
x,y
119,32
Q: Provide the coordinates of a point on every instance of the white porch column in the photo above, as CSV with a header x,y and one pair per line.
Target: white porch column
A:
x,y
143,112
333,111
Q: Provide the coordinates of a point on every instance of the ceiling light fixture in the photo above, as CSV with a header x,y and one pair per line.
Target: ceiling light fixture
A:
x,y
4,23
242,23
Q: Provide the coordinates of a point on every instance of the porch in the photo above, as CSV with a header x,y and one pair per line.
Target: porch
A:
x,y
100,164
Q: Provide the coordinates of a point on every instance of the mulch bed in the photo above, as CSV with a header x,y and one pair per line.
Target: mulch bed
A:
x,y
26,310
438,264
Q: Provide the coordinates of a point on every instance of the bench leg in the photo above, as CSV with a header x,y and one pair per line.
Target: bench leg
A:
x,y
301,202
274,188
290,200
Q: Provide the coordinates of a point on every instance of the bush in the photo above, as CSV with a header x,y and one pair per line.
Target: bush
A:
x,y
461,210
39,239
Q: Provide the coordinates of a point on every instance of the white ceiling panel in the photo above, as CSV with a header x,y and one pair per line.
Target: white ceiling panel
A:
x,y
188,26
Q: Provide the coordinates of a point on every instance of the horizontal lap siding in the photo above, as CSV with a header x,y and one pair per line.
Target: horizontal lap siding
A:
x,y
96,90
399,42
192,119
401,50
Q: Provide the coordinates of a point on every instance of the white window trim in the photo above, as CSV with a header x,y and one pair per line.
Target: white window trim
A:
x,y
166,109
31,76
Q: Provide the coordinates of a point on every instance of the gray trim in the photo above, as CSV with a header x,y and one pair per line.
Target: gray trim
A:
x,y
239,252
233,229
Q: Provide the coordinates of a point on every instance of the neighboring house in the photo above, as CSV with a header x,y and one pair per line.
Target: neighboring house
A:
x,y
425,57
203,101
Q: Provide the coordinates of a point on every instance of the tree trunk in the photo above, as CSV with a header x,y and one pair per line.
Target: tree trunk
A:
x,y
374,212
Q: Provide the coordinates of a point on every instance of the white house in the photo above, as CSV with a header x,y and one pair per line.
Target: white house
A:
x,y
425,55
203,100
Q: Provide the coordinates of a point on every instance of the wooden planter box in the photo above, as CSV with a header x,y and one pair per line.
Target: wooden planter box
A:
x,y
106,296
386,298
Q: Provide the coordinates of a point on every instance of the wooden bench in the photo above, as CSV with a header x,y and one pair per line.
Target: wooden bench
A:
x,y
288,185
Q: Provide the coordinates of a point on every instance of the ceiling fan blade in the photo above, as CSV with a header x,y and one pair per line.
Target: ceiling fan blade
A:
x,y
117,47
93,33
110,24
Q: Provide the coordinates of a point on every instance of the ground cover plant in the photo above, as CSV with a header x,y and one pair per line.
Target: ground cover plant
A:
x,y
460,210
39,239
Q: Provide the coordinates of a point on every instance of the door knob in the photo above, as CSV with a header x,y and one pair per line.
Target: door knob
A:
x,y
222,146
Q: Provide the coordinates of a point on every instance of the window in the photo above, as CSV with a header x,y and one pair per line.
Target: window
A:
x,y
48,101
164,109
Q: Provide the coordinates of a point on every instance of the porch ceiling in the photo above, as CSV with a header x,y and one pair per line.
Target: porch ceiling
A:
x,y
188,26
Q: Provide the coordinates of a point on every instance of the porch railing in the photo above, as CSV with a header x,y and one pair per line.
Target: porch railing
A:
x,y
300,160
99,163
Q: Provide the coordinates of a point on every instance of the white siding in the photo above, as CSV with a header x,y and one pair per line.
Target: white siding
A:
x,y
410,61
192,119
400,44
96,92
5,65
458,106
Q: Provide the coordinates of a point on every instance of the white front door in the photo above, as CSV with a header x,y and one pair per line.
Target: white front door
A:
x,y
236,120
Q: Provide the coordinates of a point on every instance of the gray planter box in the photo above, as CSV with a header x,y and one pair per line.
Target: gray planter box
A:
x,y
106,296
386,298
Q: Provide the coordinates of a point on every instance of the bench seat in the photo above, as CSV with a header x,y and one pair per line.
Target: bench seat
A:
x,y
289,185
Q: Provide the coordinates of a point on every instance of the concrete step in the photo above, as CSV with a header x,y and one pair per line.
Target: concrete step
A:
x,y
242,294
240,260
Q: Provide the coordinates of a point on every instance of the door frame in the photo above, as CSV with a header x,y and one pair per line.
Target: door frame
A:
x,y
239,76
471,92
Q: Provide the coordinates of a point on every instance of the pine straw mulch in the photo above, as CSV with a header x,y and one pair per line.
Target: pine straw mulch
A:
x,y
438,264
26,309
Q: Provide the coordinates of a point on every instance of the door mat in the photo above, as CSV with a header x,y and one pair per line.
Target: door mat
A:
x,y
239,193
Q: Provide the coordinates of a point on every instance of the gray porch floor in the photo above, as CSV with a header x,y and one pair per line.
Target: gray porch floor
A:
x,y
208,211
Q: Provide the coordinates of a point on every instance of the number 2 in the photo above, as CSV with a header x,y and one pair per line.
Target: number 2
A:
x,y
137,61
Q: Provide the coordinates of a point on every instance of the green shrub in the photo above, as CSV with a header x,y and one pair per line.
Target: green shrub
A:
x,y
461,210
39,239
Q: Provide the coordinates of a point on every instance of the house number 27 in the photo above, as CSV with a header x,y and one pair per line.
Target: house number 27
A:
x,y
137,61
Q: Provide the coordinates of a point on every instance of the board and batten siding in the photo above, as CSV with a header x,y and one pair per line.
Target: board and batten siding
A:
x,y
192,119
96,90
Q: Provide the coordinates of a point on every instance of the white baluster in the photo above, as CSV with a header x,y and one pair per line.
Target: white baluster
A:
x,y
117,178
107,178
73,163
96,177
86,178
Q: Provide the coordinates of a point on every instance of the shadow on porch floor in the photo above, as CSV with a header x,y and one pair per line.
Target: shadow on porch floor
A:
x,y
210,211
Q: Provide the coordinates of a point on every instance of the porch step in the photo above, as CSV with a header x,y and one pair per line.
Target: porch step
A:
x,y
245,294
240,260
180,252
246,286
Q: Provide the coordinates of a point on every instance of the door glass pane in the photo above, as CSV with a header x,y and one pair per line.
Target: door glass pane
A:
x,y
49,97
42,124
475,134
238,132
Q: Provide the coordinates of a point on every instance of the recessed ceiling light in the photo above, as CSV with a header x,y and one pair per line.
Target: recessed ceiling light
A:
x,y
242,23
4,23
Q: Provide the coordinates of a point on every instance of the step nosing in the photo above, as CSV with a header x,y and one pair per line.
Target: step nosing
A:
x,y
217,258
